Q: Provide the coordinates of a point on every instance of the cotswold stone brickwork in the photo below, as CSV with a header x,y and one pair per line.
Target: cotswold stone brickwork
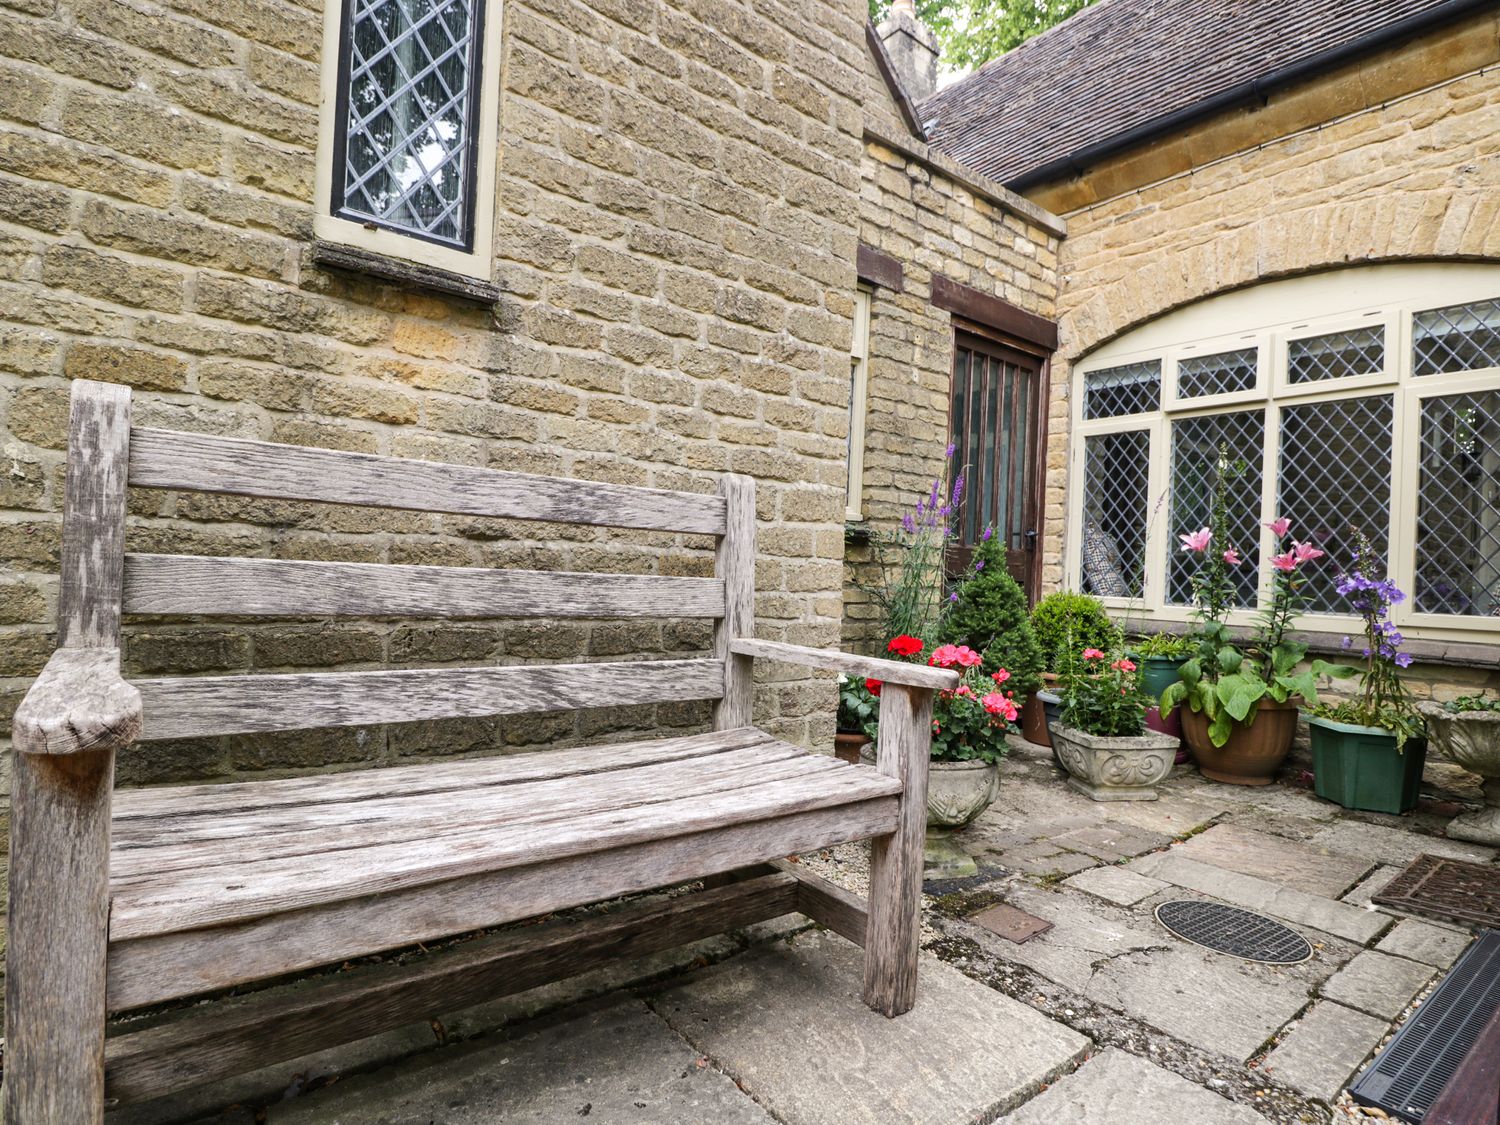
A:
x,y
676,220
1415,179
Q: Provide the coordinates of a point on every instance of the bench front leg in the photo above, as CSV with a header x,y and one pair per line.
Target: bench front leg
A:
x,y
894,930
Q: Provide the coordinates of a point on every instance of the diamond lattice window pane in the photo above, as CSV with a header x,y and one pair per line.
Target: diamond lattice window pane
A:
x,y
1336,475
411,84
1224,373
1338,355
1458,506
1196,447
1116,469
1458,338
1115,391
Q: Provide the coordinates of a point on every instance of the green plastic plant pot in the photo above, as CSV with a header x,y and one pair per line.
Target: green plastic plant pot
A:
x,y
1358,767
1158,673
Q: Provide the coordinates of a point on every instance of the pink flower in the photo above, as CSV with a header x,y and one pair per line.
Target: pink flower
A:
x,y
1232,557
964,691
997,704
1196,540
1279,526
944,656
968,657
1092,654
1306,552
1123,665
1286,562
1001,676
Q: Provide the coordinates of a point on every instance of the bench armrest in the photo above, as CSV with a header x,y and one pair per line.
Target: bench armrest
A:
x,y
887,671
79,702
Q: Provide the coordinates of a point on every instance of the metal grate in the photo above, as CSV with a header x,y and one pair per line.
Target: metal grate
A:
x,y
1112,392
1229,929
1458,338
1446,888
1338,355
1116,470
410,115
1336,473
1409,1074
1224,373
1458,506
1195,452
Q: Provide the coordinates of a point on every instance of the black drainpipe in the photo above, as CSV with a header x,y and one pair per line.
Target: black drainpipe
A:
x,y
1249,92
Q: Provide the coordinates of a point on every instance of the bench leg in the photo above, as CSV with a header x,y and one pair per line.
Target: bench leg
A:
x,y
894,928
59,910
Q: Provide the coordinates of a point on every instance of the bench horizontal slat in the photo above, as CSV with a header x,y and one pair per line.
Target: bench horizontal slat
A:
x,y
242,587
204,463
152,969
179,900
180,806
200,706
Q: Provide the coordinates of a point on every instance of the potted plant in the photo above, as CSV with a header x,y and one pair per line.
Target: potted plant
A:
x,y
1467,731
1368,751
1101,736
987,612
856,718
1241,699
1064,624
1160,656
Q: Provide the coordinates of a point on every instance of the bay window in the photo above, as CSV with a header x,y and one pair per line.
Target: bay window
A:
x,y
1366,399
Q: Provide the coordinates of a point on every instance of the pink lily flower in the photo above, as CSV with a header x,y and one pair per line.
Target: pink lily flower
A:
x,y
1196,540
1279,526
1232,557
1286,562
1306,552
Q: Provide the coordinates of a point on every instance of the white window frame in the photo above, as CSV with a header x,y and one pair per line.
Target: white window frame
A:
x,y
1276,313
328,227
859,393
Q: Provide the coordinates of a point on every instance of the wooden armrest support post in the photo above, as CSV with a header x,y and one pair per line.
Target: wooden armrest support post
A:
x,y
78,703
887,671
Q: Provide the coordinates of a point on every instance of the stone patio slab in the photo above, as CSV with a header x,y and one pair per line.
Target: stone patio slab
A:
x,y
1394,846
1117,1088
1324,1049
1378,983
1116,884
619,1064
1372,884
1421,941
1318,871
1337,918
1111,842
787,1023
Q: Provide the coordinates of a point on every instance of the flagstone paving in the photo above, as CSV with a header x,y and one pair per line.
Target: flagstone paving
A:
x,y
1104,1018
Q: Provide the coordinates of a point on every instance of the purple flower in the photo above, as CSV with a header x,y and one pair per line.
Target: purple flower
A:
x,y
978,564
1403,660
951,447
1346,642
989,533
953,597
909,525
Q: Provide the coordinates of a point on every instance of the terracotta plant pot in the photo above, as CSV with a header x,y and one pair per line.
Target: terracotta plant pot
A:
x,y
1034,721
1253,753
847,744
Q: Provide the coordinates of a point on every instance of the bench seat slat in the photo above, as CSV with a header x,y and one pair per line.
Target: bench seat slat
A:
x,y
180,806
204,463
141,852
201,706
246,587
212,895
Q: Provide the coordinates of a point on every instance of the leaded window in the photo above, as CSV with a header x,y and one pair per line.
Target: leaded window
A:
x,y
1458,338
409,96
1337,355
1223,373
1458,506
1114,391
1202,447
1116,512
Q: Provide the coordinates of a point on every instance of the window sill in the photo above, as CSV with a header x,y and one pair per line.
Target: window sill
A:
x,y
408,275
1463,654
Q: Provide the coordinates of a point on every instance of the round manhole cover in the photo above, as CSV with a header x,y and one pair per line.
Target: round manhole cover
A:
x,y
1228,929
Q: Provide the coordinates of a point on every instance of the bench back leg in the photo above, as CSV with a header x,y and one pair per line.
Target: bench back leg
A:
x,y
893,933
735,564
60,806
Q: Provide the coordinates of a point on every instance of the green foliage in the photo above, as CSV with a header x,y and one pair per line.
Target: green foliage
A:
x,y
971,32
988,613
1102,696
1066,623
1171,646
859,710
1471,703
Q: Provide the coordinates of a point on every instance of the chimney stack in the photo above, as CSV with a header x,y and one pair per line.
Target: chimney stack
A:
x,y
912,48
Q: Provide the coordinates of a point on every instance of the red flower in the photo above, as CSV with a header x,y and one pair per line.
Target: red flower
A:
x,y
905,645
1092,654
872,686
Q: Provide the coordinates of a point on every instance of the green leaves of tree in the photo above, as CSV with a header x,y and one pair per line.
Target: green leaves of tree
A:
x,y
971,32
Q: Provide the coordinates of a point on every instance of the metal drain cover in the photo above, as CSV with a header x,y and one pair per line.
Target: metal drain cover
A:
x,y
1228,929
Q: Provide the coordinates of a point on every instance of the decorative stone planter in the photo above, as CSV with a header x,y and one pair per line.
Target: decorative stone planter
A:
x,y
1472,740
1358,766
1115,768
1253,753
957,792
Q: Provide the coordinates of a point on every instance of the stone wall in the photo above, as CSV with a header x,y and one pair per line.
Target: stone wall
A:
x,y
675,239
1415,179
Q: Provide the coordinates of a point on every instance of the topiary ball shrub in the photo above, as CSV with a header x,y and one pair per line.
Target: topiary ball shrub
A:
x,y
1066,623
987,612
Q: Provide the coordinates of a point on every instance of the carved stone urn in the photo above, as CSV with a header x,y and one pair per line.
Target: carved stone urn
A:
x,y
1470,739
1115,768
957,792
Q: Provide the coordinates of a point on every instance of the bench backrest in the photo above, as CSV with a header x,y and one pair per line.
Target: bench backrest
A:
x,y
100,581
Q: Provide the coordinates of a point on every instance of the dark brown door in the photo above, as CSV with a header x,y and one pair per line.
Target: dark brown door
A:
x,y
996,431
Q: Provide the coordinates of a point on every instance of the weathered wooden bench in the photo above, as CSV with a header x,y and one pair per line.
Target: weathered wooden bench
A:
x,y
123,900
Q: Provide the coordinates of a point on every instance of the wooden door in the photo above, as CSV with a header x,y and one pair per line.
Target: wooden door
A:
x,y
996,428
